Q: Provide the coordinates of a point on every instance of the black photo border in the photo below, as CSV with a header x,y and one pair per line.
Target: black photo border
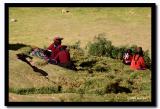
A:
x,y
153,102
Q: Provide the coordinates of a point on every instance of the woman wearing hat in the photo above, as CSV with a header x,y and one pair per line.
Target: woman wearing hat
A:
x,y
54,47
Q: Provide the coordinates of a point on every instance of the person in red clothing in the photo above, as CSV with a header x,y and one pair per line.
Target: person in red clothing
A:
x,y
49,53
63,58
127,57
54,47
138,62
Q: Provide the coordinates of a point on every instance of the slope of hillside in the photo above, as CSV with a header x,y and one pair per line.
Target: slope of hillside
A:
x,y
98,78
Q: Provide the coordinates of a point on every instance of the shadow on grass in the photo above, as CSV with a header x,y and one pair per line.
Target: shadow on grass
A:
x,y
23,57
16,46
115,88
87,64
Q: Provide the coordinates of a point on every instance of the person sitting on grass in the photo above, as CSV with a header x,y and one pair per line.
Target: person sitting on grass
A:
x,y
138,62
50,53
54,47
63,58
55,54
127,58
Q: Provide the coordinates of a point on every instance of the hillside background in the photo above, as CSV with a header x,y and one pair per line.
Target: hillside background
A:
x,y
38,26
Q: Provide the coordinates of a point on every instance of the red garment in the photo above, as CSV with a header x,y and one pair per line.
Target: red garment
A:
x,y
63,57
130,58
55,50
138,63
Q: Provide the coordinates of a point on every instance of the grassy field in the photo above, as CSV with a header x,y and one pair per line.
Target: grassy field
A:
x,y
123,26
116,83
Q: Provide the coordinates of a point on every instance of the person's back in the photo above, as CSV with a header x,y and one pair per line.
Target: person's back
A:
x,y
63,57
138,62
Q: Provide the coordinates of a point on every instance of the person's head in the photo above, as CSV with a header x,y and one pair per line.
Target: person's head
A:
x,y
139,51
129,51
57,40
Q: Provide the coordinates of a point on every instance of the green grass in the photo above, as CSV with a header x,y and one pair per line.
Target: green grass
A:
x,y
125,26
42,90
98,78
115,80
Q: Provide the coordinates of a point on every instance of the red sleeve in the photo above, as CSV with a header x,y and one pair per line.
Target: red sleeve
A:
x,y
131,57
50,47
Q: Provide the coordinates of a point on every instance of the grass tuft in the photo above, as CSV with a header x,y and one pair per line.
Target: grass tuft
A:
x,y
42,90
